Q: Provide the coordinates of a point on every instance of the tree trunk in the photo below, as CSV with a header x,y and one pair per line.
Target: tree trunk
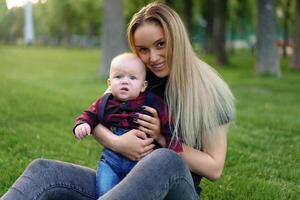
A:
x,y
286,28
113,40
188,16
209,17
220,32
266,48
296,54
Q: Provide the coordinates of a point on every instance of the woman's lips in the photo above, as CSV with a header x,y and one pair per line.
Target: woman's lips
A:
x,y
158,66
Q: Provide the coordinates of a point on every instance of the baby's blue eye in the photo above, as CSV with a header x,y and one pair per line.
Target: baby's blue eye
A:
x,y
132,77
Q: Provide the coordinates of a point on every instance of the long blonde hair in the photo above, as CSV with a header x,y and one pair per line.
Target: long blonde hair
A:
x,y
198,99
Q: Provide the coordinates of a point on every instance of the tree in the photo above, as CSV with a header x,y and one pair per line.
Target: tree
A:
x,y
209,18
188,16
53,25
266,48
11,27
296,54
113,34
241,19
219,31
286,17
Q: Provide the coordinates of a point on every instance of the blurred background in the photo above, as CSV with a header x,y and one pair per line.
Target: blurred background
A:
x,y
54,61
215,27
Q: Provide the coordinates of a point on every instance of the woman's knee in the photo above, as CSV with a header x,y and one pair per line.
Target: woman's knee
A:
x,y
38,165
43,168
167,159
39,162
165,153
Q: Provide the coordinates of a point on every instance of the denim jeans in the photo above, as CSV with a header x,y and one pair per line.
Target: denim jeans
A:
x,y
112,168
162,175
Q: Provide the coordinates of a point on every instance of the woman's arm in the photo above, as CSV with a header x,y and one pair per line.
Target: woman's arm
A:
x,y
210,162
134,144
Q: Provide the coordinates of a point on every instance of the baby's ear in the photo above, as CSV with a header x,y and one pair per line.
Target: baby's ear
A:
x,y
108,82
108,87
145,84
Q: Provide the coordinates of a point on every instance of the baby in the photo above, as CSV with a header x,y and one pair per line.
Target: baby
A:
x,y
117,111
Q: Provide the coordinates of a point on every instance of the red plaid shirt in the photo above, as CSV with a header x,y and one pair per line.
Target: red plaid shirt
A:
x,y
122,114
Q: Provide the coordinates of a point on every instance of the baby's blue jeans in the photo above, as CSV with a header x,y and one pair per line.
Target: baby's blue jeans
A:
x,y
112,168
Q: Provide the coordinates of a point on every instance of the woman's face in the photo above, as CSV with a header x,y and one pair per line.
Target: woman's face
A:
x,y
150,44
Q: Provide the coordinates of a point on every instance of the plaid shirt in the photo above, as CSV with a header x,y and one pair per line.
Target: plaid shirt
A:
x,y
122,114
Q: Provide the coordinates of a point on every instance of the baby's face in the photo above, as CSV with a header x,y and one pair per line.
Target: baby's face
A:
x,y
127,79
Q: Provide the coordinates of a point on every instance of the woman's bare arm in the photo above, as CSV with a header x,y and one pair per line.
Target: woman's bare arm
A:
x,y
210,162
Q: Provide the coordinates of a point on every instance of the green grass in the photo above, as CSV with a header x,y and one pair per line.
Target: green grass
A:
x,y
43,89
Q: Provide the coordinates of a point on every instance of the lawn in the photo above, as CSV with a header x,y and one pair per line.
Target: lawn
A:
x,y
44,89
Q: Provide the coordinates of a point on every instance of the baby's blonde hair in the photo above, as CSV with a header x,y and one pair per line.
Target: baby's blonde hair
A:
x,y
119,60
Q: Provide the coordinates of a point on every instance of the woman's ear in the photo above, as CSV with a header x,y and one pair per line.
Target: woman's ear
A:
x,y
145,84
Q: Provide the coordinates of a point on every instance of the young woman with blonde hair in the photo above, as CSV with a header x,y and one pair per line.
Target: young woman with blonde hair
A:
x,y
201,105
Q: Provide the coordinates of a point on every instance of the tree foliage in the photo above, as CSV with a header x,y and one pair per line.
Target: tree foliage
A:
x,y
60,21
55,19
65,18
241,17
11,23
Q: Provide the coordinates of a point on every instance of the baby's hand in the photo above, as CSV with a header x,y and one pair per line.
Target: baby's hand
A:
x,y
82,130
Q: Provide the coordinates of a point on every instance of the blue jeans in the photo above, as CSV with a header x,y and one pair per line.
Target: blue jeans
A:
x,y
162,175
112,168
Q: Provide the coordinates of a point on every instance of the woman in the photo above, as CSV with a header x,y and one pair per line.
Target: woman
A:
x,y
201,105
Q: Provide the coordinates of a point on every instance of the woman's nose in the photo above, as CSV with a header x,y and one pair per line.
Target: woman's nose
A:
x,y
154,56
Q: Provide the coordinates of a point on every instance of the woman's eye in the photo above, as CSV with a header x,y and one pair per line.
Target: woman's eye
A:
x,y
161,45
142,50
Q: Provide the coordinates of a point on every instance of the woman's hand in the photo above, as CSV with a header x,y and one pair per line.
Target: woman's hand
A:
x,y
150,124
133,144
